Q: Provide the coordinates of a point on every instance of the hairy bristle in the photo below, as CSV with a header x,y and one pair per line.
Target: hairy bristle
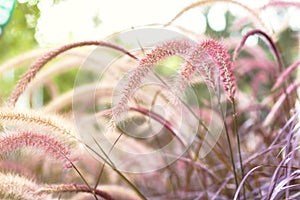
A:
x,y
52,147
37,66
15,187
36,121
167,49
202,58
219,54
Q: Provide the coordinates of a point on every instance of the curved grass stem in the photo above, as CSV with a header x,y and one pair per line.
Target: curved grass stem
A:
x,y
43,60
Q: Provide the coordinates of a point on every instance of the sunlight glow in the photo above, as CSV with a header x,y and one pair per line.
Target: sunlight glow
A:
x,y
194,21
294,16
252,40
71,20
97,19
216,17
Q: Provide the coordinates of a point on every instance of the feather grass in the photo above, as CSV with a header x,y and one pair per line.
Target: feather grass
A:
x,y
36,67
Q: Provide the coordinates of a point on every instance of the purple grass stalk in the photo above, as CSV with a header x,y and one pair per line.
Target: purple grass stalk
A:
x,y
250,64
277,172
270,41
236,195
284,180
277,56
295,188
290,149
199,166
275,108
162,121
274,49
285,74
37,66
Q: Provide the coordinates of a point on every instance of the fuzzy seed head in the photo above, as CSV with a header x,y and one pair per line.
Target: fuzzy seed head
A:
x,y
52,147
15,187
219,54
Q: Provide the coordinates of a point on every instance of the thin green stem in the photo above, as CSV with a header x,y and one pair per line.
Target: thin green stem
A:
x,y
235,129
230,149
227,135
85,181
82,177
100,175
130,184
117,171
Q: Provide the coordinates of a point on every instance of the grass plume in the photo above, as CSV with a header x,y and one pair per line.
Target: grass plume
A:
x,y
195,55
33,120
10,142
36,67
256,126
15,187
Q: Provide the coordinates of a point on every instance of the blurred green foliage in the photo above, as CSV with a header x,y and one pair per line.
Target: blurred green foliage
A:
x,y
18,36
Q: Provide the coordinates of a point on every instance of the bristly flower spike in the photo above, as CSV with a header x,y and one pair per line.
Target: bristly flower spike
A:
x,y
52,147
219,55
176,47
43,60
201,57
17,187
